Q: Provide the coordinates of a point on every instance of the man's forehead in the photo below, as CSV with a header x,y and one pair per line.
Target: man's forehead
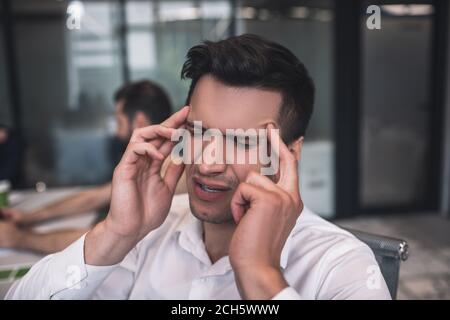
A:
x,y
199,123
224,107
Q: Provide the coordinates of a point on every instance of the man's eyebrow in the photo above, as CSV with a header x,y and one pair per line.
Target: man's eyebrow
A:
x,y
191,125
253,132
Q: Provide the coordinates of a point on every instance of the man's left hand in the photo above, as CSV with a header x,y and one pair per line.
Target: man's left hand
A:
x,y
266,213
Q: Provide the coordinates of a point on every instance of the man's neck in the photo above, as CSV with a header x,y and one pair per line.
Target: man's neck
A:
x,y
217,239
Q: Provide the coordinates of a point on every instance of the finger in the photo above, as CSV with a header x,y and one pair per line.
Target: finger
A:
x,y
165,150
244,196
135,151
261,181
173,175
177,119
288,163
165,129
151,132
147,149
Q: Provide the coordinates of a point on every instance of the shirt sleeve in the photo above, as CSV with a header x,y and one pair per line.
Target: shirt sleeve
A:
x,y
63,275
353,274
288,293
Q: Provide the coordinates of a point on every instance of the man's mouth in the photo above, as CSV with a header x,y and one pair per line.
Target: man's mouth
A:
x,y
207,188
209,191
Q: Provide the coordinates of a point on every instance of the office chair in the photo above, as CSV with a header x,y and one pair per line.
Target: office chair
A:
x,y
389,252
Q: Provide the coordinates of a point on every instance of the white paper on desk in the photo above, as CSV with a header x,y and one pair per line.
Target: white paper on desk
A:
x,y
81,221
5,252
34,200
31,200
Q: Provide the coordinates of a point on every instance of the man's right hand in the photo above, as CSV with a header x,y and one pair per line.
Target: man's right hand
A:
x,y
12,214
21,218
141,197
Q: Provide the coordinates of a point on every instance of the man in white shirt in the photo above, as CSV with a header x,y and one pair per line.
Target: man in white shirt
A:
x,y
237,233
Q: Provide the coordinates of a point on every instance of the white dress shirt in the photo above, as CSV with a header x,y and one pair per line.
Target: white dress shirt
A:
x,y
318,261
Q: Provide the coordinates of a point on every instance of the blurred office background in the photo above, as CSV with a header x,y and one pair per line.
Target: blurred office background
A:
x,y
379,139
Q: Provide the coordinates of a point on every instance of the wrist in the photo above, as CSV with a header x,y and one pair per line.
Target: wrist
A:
x,y
260,282
105,247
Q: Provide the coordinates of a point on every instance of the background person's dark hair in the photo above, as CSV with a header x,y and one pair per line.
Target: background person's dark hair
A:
x,y
120,93
251,61
147,97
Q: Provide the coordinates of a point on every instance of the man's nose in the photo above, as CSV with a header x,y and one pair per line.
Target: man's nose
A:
x,y
211,169
213,161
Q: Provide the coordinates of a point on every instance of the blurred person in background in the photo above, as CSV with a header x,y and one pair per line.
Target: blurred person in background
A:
x,y
137,105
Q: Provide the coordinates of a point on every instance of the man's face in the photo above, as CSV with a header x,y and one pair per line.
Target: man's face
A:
x,y
3,135
124,127
216,105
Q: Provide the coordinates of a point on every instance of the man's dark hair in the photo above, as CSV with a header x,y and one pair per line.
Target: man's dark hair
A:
x,y
147,97
251,61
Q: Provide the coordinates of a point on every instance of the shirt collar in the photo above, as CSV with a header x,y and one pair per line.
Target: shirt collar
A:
x,y
190,237
191,227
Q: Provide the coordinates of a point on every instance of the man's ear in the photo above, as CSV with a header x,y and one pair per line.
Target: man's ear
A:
x,y
296,148
141,120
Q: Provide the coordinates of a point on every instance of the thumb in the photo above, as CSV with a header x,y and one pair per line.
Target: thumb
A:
x,y
173,174
246,194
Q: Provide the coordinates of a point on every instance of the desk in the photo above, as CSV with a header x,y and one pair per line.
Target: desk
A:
x,y
14,263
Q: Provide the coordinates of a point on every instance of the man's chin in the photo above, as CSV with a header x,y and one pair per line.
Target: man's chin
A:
x,y
211,213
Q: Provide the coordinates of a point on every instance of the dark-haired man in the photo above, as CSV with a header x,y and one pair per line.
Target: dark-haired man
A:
x,y
138,105
237,234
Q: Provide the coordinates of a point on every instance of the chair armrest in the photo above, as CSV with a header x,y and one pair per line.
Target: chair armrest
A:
x,y
387,246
